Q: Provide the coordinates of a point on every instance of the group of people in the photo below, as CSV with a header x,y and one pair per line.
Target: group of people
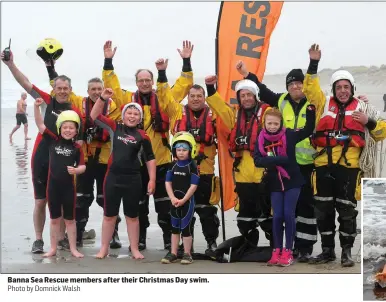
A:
x,y
296,158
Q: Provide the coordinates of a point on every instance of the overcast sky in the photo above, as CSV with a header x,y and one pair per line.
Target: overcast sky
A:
x,y
349,34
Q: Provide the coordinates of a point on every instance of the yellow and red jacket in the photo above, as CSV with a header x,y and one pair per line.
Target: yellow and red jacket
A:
x,y
175,111
121,97
333,123
316,96
247,171
244,135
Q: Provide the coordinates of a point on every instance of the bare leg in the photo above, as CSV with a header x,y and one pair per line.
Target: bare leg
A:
x,y
13,131
26,132
71,232
39,217
107,232
62,229
133,232
175,242
187,244
55,226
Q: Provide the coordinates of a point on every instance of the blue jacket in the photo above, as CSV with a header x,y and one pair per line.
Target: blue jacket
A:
x,y
272,179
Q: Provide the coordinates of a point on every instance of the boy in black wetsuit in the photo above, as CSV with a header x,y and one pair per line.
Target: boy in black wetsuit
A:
x,y
66,159
123,176
181,183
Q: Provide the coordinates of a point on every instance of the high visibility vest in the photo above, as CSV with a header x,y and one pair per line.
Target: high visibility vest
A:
x,y
304,149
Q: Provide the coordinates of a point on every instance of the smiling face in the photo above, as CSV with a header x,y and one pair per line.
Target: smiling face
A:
x,y
62,90
247,99
132,117
343,90
144,82
68,130
196,99
295,90
94,90
272,123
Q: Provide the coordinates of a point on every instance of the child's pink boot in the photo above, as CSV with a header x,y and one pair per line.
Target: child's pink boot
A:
x,y
286,258
275,257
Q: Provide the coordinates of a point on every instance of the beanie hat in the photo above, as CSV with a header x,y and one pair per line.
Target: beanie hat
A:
x,y
295,75
130,105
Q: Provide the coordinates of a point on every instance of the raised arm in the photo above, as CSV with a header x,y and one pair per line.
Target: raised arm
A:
x,y
181,87
266,95
17,74
216,103
165,96
38,116
110,78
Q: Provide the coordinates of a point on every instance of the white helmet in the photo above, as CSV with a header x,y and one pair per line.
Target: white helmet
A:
x,y
248,85
342,75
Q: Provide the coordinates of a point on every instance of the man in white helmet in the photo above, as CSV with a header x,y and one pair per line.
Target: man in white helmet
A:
x,y
243,126
339,139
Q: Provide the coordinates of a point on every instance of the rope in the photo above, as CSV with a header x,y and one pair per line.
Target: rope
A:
x,y
370,155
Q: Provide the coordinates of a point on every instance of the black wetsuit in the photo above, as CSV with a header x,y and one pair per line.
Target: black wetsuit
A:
x,y
123,177
61,188
182,175
39,159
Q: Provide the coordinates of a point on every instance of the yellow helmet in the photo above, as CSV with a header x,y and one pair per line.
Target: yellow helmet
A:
x,y
67,116
49,49
184,136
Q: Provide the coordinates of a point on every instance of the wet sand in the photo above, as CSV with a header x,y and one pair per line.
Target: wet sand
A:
x,y
17,233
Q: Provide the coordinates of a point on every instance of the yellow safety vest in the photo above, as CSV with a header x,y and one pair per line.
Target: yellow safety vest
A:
x,y
304,149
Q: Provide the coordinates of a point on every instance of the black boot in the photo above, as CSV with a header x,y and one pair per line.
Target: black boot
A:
x,y
142,240
345,259
115,243
327,255
167,241
304,255
211,248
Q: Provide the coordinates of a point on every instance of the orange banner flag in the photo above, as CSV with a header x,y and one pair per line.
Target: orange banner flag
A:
x,y
243,33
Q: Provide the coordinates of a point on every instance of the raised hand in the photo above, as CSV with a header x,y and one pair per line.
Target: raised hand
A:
x,y
10,61
108,50
211,80
242,68
161,64
107,93
38,102
315,52
187,49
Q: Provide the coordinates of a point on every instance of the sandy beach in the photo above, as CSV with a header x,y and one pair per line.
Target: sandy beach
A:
x,y
17,233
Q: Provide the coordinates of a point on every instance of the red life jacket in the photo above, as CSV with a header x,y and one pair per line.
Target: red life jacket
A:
x,y
243,136
99,134
159,119
202,128
332,124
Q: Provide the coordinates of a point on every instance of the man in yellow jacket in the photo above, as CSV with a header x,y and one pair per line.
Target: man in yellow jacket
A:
x,y
96,150
339,139
243,128
196,118
156,124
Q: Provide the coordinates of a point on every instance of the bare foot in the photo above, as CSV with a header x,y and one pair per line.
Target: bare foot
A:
x,y
77,254
10,138
137,255
101,254
51,253
27,138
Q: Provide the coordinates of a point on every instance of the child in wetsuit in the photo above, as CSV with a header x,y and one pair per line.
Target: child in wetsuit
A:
x,y
275,151
123,176
181,183
65,160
